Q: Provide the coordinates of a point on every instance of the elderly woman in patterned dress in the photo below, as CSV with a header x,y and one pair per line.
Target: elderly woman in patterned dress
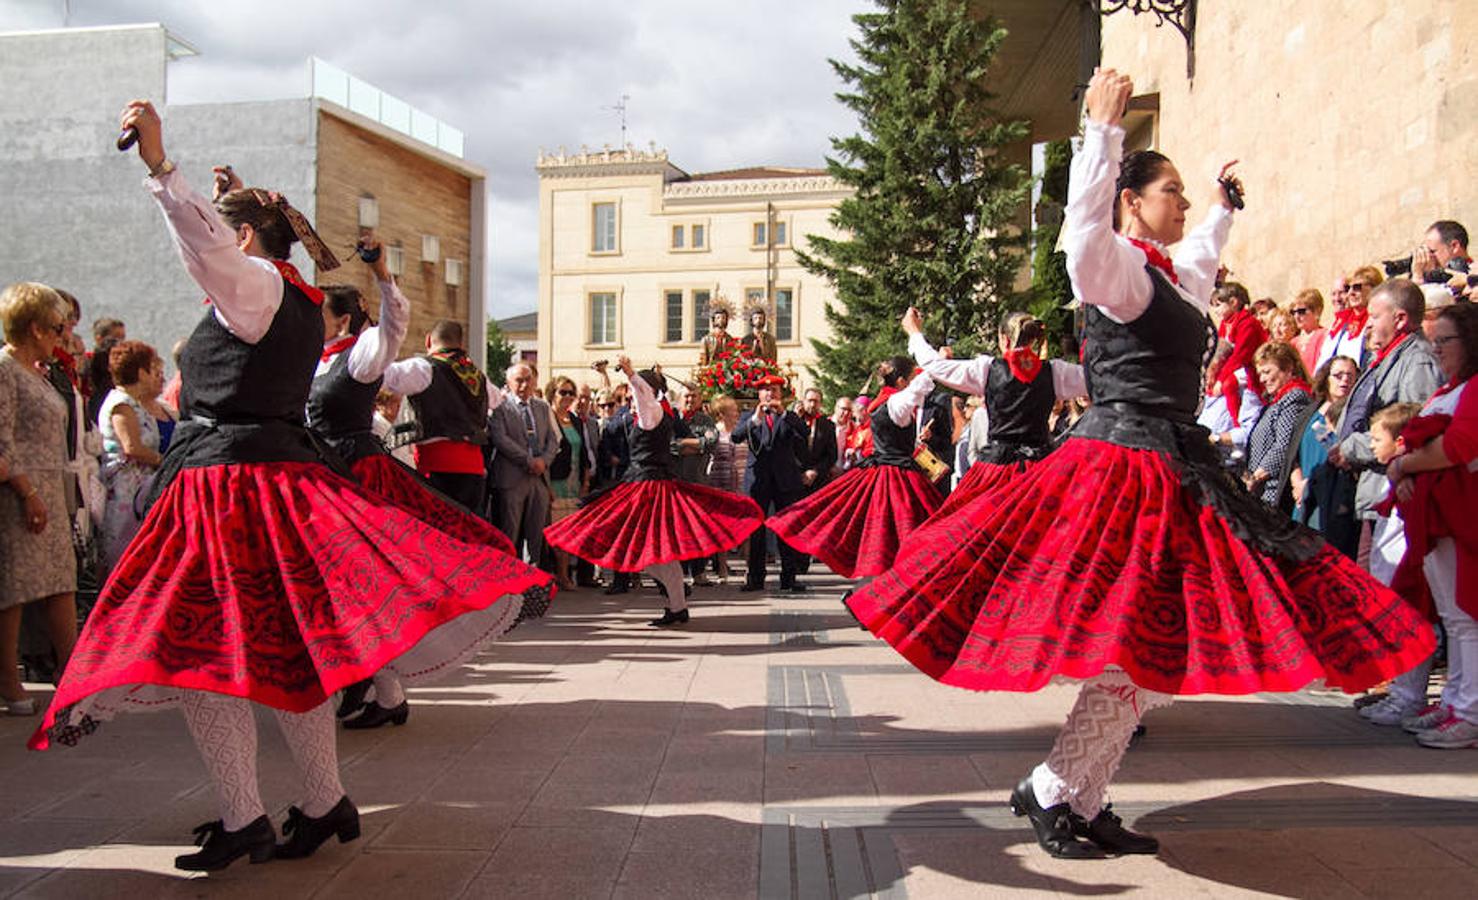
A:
x,y
35,538
1272,443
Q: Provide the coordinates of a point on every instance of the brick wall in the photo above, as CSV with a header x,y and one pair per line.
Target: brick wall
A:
x,y
416,196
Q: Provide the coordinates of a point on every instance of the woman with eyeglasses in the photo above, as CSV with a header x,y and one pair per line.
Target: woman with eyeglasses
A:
x,y
1312,477
1435,484
1308,309
569,474
36,560
1347,333
1128,559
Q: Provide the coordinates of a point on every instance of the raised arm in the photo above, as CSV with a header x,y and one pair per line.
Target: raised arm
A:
x,y
376,348
902,404
245,291
644,403
1106,270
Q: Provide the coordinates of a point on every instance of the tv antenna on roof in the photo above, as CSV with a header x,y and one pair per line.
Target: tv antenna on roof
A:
x,y
620,110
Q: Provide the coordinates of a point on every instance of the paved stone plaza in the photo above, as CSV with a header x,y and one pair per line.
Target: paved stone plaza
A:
x,y
770,749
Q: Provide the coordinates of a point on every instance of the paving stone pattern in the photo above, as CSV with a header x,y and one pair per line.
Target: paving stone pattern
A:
x,y
768,749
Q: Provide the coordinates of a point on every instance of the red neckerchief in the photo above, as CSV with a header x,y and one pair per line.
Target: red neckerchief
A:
x,y
1447,388
68,364
337,347
1380,357
1156,258
1352,320
880,399
291,275
667,408
1024,364
1294,384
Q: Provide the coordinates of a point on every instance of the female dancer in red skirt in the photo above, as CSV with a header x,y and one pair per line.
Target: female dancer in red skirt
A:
x,y
1128,558
259,575
857,523
653,521
355,359
1019,391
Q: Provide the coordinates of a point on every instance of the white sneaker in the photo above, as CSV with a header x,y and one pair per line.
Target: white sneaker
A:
x,y
1391,712
1429,718
1454,734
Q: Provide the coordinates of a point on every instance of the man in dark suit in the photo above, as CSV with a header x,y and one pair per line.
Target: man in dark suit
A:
x,y
775,438
522,430
819,456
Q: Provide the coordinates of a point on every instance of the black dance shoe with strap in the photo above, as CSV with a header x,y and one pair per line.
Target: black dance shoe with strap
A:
x,y
219,847
305,834
352,700
670,618
1107,831
1053,825
375,715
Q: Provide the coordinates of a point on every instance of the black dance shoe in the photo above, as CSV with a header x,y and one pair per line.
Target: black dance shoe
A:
x,y
375,715
353,699
670,618
219,847
1053,825
304,833
1108,832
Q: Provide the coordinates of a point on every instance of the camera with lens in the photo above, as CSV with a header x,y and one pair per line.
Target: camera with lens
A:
x,y
1396,267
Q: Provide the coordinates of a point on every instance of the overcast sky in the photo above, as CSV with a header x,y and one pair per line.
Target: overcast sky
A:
x,y
719,85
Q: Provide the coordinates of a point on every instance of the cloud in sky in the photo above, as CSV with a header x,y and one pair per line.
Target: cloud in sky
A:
x,y
718,85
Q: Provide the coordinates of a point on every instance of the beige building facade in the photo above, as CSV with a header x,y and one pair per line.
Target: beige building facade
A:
x,y
634,253
1356,121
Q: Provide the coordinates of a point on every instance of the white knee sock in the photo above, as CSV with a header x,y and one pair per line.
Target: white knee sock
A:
x,y
310,737
671,576
226,734
1092,743
388,691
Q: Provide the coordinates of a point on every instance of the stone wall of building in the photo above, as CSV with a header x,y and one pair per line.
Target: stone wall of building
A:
x,y
416,197
1356,122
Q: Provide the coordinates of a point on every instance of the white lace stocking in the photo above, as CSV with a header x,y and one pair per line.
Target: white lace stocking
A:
x,y
226,735
1092,743
388,691
310,737
671,576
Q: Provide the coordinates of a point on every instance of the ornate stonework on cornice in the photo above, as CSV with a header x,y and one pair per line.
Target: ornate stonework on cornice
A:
x,y
755,187
588,163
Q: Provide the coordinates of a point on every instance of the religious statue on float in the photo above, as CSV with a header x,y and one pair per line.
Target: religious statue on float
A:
x,y
718,337
760,342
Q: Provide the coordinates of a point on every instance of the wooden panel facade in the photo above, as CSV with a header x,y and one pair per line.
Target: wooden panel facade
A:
x,y
416,197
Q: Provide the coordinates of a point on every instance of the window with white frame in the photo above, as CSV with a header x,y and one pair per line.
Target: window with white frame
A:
x,y
673,311
700,236
603,227
701,307
784,324
781,238
602,317
395,259
679,232
757,236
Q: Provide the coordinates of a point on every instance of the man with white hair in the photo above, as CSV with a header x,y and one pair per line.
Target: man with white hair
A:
x,y
521,430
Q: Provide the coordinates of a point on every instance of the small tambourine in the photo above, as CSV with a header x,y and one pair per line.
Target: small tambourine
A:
x,y
932,466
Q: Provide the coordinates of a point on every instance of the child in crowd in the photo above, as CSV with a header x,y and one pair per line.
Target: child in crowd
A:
x,y
1408,693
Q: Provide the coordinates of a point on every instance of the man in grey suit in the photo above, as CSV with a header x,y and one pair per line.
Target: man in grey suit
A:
x,y
521,430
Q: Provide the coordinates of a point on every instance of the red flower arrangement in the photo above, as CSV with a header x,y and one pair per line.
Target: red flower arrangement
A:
x,y
736,372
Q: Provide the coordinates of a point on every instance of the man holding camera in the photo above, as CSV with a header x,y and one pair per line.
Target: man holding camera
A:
x,y
776,439
1442,257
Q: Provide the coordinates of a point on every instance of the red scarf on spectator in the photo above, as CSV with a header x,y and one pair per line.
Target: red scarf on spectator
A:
x,y
1157,258
1024,363
68,363
1294,384
1226,384
667,407
1352,320
1381,356
337,347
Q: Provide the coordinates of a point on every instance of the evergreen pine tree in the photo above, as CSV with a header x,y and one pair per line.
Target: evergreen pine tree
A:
x,y
933,220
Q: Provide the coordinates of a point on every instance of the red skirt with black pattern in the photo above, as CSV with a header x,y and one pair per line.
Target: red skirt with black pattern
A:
x,y
280,583
979,478
857,523
1100,557
645,523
